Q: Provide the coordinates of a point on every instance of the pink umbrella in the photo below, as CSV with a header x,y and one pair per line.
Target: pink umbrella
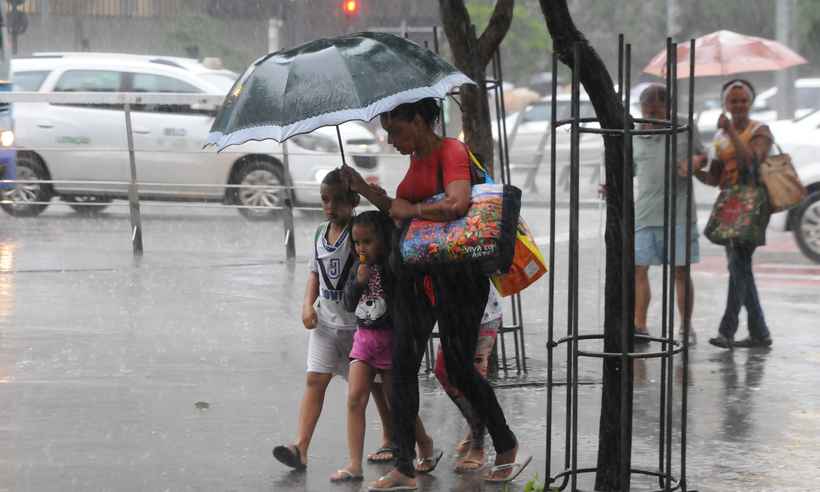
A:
x,y
726,53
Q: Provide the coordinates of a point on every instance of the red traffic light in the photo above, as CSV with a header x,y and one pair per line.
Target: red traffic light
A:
x,y
350,7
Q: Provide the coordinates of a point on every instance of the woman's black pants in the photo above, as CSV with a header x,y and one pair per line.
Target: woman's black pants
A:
x,y
460,293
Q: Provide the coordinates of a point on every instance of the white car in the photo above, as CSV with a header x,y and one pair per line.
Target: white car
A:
x,y
763,109
528,139
801,139
83,147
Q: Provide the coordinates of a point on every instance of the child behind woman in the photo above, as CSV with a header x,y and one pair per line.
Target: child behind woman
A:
x,y
367,293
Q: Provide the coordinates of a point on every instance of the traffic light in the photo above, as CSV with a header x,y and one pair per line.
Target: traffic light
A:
x,y
351,8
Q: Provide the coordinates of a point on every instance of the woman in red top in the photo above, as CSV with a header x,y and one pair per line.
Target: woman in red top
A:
x,y
454,296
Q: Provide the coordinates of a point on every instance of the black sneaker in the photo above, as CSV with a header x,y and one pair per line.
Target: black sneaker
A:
x,y
721,341
753,342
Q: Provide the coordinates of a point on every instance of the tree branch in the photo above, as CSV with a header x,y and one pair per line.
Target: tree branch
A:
x,y
593,74
615,431
497,28
456,22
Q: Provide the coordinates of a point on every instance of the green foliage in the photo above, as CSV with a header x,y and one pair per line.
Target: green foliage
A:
x,y
212,36
808,32
526,47
535,485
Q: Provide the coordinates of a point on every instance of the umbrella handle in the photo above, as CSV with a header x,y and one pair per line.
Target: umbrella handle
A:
x,y
341,147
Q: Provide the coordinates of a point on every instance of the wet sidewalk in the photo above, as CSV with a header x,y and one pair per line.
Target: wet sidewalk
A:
x,y
104,359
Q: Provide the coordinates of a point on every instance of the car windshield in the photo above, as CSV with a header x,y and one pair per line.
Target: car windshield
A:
x,y
808,97
29,81
812,118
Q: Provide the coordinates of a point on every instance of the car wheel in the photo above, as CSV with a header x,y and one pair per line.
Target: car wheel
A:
x,y
24,195
806,228
263,203
87,210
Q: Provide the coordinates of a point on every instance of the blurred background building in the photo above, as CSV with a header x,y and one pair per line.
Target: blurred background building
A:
x,y
237,31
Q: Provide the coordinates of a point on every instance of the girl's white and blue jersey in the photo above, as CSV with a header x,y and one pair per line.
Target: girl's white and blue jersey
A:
x,y
334,264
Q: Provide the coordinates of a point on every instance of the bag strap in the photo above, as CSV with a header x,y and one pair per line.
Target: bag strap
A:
x,y
474,179
752,172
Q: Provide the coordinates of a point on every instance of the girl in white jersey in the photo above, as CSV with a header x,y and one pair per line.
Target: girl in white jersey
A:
x,y
331,327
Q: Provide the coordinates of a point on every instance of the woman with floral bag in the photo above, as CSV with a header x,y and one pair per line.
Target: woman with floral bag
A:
x,y
454,295
740,145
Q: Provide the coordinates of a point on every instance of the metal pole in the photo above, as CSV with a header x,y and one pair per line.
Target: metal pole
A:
x,y
341,145
687,297
785,100
573,241
670,69
670,354
287,217
133,192
506,178
552,272
626,323
500,88
672,11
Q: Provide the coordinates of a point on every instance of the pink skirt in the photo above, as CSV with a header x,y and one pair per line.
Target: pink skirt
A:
x,y
373,347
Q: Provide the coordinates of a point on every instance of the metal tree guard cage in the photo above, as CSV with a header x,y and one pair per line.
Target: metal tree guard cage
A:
x,y
668,346
494,85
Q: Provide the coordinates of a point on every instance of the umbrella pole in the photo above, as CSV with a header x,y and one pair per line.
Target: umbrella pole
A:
x,y
341,147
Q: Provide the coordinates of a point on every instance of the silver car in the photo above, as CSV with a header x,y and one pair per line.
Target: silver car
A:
x,y
83,147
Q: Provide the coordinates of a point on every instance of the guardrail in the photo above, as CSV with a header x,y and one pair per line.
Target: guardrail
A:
x,y
128,101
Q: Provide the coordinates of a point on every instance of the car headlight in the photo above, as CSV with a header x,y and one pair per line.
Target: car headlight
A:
x,y
316,143
7,138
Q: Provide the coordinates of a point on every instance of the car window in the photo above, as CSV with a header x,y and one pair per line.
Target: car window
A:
x,y
90,81
808,97
29,81
564,109
537,112
541,111
147,82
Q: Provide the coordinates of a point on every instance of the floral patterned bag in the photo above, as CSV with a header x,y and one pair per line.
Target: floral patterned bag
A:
x,y
740,214
485,235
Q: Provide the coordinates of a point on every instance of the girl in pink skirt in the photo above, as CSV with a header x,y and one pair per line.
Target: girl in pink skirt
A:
x,y
367,294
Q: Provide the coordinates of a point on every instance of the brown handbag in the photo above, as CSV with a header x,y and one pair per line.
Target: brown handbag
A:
x,y
782,184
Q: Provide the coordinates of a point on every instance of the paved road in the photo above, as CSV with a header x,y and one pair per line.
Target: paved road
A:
x,y
103,359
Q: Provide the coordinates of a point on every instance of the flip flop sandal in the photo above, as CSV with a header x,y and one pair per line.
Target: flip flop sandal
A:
x,y
391,487
372,457
343,475
515,469
432,460
476,465
289,456
463,447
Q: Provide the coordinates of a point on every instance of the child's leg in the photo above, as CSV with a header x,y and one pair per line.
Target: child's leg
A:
x,y
310,409
379,391
360,378
323,361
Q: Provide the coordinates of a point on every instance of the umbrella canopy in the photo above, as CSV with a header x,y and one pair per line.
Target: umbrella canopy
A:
x,y
328,82
726,53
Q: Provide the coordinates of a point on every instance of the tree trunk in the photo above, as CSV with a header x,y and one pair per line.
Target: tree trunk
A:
x,y
471,55
614,441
